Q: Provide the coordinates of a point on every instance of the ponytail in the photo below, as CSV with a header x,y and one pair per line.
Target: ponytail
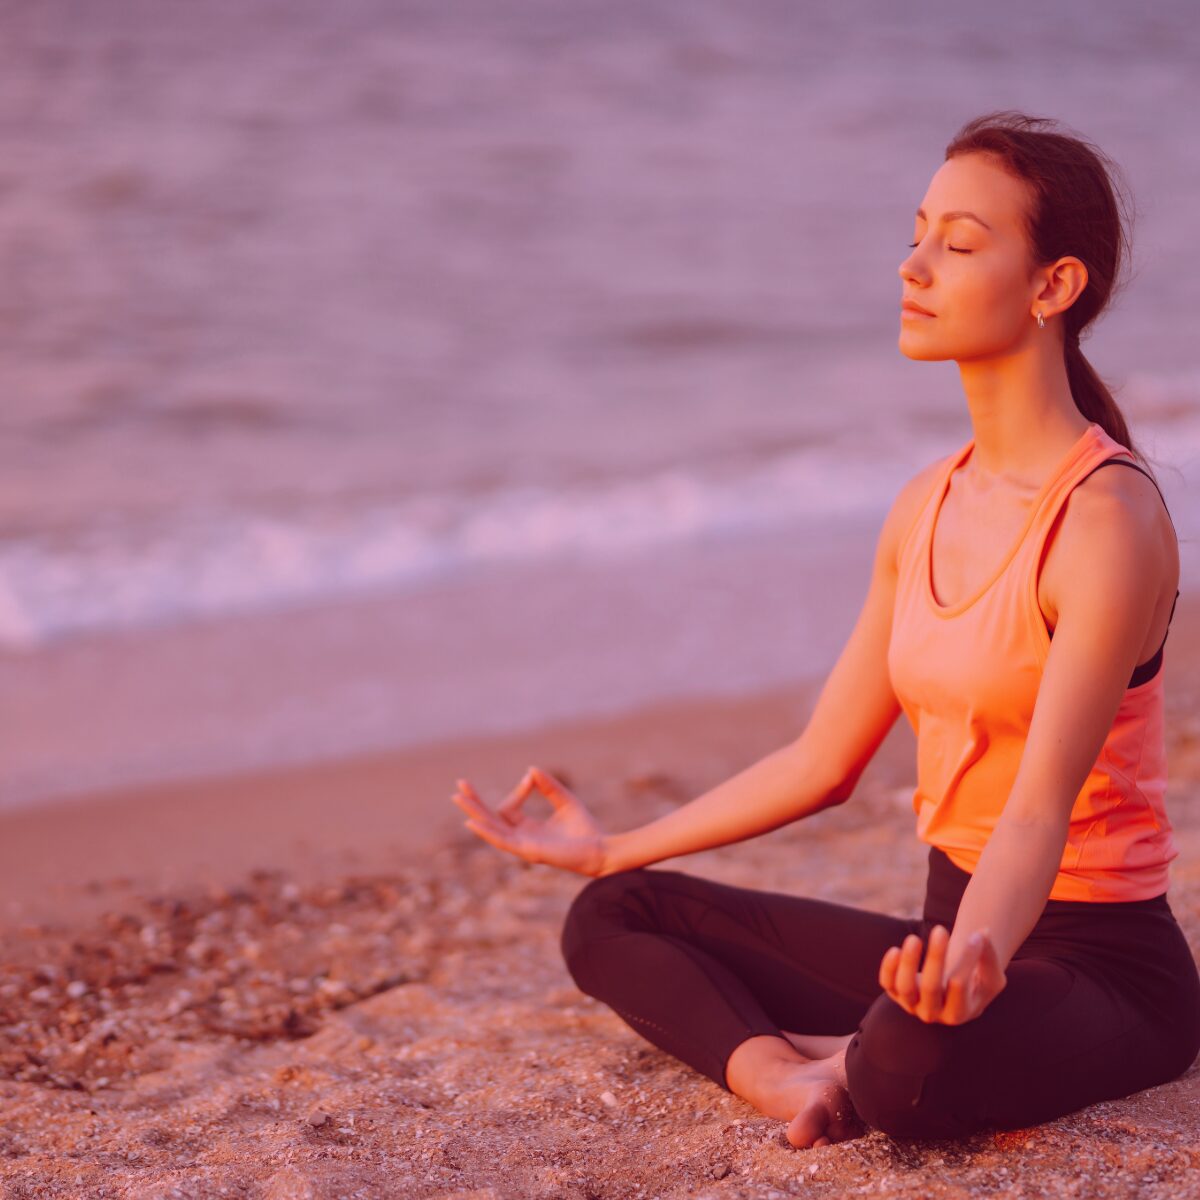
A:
x,y
1074,210
1093,397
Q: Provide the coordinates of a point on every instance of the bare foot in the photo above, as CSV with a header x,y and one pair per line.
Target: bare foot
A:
x,y
810,1094
825,1116
824,1113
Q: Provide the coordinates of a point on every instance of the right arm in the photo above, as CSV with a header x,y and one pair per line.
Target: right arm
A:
x,y
820,768
854,712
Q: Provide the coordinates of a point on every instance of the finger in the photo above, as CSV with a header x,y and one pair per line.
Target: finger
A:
x,y
989,957
491,835
481,817
475,806
906,970
511,804
932,973
887,969
468,800
963,979
955,1008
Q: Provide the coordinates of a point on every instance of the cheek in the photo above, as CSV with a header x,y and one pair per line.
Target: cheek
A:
x,y
988,299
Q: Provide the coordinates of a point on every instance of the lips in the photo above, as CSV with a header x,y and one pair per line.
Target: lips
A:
x,y
913,306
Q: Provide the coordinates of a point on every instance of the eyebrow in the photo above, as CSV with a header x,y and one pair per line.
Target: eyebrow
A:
x,y
952,216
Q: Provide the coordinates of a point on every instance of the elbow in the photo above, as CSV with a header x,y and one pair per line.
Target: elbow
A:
x,y
839,797
823,785
840,790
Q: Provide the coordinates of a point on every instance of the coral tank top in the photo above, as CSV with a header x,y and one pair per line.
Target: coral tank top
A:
x,y
967,677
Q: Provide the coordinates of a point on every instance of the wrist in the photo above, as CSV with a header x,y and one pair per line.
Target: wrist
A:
x,y
607,858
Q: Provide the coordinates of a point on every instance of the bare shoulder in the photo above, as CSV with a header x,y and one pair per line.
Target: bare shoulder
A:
x,y
1115,509
1113,520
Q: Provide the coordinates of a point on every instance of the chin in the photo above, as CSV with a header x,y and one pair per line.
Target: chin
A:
x,y
920,349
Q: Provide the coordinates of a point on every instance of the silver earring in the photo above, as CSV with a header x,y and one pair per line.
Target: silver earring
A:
x,y
1041,323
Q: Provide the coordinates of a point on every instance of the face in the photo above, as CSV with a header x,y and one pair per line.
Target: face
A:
x,y
974,278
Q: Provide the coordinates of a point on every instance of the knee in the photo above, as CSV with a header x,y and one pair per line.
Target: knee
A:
x,y
1187,1048
898,1072
595,911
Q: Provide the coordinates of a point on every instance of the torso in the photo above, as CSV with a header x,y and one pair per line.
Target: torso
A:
x,y
966,659
974,531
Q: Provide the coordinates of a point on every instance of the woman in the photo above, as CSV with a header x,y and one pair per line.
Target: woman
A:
x,y
1016,615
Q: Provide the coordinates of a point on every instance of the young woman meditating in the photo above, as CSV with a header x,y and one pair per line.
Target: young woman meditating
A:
x,y
1016,615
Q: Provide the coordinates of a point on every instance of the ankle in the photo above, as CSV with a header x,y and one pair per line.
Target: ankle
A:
x,y
837,1062
754,1064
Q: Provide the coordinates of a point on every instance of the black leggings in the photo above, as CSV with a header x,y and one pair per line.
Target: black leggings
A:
x,y
1102,999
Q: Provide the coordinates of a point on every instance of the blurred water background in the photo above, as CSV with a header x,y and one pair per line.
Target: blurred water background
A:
x,y
373,373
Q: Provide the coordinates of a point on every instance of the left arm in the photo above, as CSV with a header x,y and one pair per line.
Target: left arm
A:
x,y
1114,558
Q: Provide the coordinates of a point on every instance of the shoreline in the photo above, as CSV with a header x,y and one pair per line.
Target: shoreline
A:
x,y
76,857
365,813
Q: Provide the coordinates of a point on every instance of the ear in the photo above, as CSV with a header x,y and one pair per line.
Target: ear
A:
x,y
1063,282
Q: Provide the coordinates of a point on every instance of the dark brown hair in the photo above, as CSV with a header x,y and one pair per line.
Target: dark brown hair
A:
x,y
1076,209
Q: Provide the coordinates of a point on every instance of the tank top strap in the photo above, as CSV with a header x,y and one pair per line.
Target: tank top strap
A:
x,y
1092,449
925,509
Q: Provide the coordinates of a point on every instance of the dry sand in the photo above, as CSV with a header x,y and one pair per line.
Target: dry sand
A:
x,y
289,1028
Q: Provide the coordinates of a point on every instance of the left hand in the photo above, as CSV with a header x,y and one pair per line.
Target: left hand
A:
x,y
975,982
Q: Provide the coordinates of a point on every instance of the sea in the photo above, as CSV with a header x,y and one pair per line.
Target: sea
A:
x,y
374,374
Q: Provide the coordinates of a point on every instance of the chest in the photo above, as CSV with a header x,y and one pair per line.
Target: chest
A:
x,y
972,539
979,663
973,536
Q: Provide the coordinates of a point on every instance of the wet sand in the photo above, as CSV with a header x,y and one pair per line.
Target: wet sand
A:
x,y
302,984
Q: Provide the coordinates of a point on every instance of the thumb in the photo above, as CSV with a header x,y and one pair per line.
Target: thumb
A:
x,y
970,958
990,958
511,804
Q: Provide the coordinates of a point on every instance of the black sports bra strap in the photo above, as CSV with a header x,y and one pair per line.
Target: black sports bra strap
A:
x,y
1125,462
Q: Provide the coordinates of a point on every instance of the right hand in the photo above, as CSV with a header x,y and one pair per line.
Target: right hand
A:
x,y
568,838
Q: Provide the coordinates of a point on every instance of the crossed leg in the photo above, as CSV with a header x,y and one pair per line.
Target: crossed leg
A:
x,y
718,976
715,974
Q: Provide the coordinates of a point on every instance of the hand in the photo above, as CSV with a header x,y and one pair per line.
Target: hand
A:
x,y
975,982
568,838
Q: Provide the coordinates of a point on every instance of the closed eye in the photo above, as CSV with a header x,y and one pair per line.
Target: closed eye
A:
x,y
956,249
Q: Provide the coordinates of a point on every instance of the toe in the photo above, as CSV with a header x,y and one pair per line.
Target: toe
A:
x,y
813,1125
827,1118
807,1126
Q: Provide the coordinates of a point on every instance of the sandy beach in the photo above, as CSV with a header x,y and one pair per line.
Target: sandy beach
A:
x,y
316,984
382,379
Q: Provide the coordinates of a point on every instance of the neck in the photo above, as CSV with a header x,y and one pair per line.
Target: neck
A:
x,y
1023,416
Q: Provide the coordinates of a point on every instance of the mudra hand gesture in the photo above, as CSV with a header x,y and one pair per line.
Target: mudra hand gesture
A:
x,y
569,838
976,981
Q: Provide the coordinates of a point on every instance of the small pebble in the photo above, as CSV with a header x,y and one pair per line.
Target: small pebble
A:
x,y
609,1099
317,1118
720,1170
